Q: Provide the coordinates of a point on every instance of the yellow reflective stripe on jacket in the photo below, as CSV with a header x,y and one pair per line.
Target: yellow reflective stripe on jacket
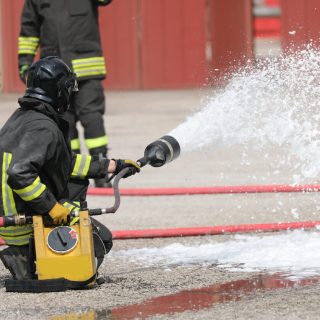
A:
x,y
32,191
18,230
75,206
17,240
18,235
9,205
96,142
75,144
89,66
81,166
28,45
74,220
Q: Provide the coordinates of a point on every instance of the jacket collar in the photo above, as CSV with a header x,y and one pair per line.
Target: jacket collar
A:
x,y
44,108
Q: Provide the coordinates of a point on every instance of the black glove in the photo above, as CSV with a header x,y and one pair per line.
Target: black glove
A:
x,y
23,69
126,163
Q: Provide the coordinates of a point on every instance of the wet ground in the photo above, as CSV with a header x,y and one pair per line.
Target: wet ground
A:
x,y
137,291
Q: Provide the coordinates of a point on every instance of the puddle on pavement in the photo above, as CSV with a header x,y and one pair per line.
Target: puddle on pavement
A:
x,y
194,299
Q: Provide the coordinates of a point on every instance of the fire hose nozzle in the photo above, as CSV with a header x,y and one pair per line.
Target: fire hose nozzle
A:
x,y
160,152
156,154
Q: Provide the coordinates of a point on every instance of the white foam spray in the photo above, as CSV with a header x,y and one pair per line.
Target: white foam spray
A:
x,y
275,102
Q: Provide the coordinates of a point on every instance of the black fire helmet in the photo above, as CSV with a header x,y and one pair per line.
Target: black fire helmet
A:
x,y
51,80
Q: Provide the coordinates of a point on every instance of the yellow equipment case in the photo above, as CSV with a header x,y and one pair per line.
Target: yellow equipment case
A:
x,y
64,257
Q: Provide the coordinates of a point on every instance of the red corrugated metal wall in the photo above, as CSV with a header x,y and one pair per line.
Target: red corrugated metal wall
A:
x,y
300,23
173,46
151,44
155,44
11,27
231,34
119,25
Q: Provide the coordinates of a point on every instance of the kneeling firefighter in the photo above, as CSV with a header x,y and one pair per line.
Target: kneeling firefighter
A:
x,y
39,173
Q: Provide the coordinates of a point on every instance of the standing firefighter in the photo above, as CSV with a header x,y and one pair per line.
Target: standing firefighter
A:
x,y
69,29
40,174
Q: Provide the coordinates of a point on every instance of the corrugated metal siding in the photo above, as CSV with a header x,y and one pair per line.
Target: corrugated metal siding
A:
x,y
119,25
155,44
1,47
231,34
300,23
11,27
173,46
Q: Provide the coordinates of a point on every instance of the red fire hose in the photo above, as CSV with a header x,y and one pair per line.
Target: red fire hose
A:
x,y
215,230
205,190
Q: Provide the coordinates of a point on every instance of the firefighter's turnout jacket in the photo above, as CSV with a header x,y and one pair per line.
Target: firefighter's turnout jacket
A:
x,y
65,28
37,163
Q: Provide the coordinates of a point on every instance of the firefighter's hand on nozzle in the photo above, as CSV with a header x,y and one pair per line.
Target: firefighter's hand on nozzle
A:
x,y
59,214
126,163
